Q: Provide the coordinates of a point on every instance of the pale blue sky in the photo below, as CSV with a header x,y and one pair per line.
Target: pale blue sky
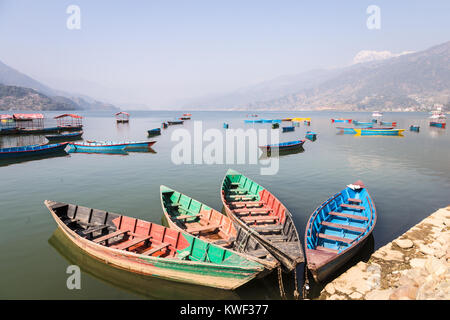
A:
x,y
156,53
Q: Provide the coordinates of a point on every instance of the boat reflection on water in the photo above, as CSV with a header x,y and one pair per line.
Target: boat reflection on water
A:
x,y
269,154
363,254
150,287
7,162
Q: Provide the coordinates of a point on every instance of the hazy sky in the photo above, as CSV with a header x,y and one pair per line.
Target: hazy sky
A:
x,y
159,53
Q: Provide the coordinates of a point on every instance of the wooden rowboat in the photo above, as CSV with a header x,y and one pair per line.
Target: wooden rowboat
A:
x,y
288,129
147,248
385,123
414,128
437,124
379,132
110,145
257,210
32,150
65,137
154,132
175,122
337,229
283,146
341,120
189,215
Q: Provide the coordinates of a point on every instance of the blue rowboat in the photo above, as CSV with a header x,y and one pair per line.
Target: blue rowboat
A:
x,y
379,132
109,145
348,130
414,128
164,125
226,125
266,121
154,132
32,150
437,124
358,123
311,135
288,129
337,229
341,120
276,121
284,145
374,120
392,124
65,137
250,121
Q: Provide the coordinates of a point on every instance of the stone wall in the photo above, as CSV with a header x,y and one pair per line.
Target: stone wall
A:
x,y
414,266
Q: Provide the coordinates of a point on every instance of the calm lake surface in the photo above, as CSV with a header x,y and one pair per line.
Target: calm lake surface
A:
x,y
408,178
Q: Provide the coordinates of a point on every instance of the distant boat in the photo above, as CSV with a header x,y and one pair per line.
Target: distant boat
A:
x,y
186,214
65,137
437,124
275,125
352,130
311,135
110,145
149,249
438,118
288,129
379,132
185,118
341,120
359,123
175,122
226,126
414,128
385,123
257,210
283,145
377,114
122,117
164,125
337,229
32,150
154,132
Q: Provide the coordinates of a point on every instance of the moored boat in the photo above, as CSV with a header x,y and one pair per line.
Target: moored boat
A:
x,y
189,215
359,123
283,145
110,145
379,132
311,135
257,210
150,249
341,120
352,130
414,128
171,123
385,123
337,229
65,136
288,129
32,150
154,132
437,124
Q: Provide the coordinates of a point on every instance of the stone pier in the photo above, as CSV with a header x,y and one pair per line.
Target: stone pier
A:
x,y
416,265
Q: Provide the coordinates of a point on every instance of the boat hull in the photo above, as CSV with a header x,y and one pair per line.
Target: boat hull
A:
x,y
65,137
288,129
437,124
21,152
105,147
378,132
217,276
341,120
283,146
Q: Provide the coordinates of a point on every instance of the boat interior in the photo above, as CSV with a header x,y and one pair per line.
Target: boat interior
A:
x,y
340,221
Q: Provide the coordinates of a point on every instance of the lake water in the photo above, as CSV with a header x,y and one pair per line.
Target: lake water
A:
x,y
408,177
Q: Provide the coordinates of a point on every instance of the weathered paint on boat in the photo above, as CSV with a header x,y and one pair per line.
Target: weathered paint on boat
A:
x,y
277,232
150,249
32,150
186,214
379,132
337,229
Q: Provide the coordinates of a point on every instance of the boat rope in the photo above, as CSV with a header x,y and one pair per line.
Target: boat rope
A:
x,y
305,288
280,284
296,293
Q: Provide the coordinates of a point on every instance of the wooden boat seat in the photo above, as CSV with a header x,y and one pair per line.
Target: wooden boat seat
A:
x,y
334,238
234,184
352,206
342,226
183,255
277,237
253,210
126,245
94,229
209,227
346,215
272,228
111,235
327,249
241,197
354,200
246,203
260,218
156,249
187,216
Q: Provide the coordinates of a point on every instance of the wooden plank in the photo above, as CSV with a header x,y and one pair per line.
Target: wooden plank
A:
x,y
130,243
156,249
327,249
253,210
342,226
246,203
209,227
334,238
94,229
260,218
346,215
351,206
186,216
354,200
110,235
271,228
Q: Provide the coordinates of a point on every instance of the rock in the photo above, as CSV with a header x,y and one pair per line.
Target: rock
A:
x,y
404,243
393,255
336,297
329,288
407,292
417,263
426,250
435,266
378,295
355,296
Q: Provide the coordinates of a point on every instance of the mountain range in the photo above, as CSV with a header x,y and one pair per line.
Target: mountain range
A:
x,y
403,82
21,92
